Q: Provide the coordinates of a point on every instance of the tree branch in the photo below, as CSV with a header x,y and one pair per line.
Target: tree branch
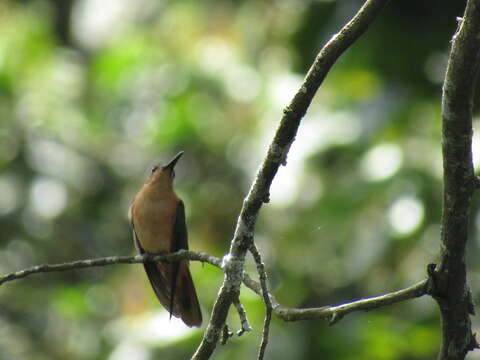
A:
x,y
334,313
337,312
112,260
262,274
451,291
287,314
276,156
242,314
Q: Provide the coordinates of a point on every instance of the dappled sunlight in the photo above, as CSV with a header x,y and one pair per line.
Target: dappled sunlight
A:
x,y
147,329
476,143
405,215
48,198
11,194
96,22
215,55
281,88
319,131
94,92
381,162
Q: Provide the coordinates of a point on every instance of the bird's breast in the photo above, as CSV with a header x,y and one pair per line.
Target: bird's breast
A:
x,y
154,219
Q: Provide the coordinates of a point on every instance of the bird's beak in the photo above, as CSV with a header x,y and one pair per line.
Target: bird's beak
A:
x,y
172,162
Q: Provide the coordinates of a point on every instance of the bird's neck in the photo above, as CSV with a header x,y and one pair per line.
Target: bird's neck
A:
x,y
159,191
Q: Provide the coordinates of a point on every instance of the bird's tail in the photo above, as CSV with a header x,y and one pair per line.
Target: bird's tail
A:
x,y
184,303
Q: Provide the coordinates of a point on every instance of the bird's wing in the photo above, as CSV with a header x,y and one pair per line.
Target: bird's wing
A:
x,y
135,239
158,274
184,297
179,241
180,236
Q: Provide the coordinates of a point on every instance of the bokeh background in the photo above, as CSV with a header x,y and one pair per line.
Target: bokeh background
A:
x,y
92,92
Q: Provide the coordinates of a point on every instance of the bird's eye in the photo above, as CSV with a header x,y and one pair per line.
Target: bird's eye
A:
x,y
154,168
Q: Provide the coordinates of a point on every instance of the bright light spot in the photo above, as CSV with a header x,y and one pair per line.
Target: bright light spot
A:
x,y
94,21
285,187
48,197
476,147
214,54
381,162
282,88
242,83
127,350
290,182
97,22
333,128
10,198
405,215
151,329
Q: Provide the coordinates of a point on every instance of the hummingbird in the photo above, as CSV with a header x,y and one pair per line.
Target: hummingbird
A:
x,y
158,220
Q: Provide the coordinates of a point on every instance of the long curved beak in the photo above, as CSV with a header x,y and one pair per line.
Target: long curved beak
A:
x,y
172,162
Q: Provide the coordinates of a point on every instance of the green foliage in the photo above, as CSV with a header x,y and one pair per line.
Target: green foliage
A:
x,y
355,212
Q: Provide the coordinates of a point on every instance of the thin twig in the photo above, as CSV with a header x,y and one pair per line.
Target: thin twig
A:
x,y
339,311
266,298
111,260
226,335
335,313
242,314
276,156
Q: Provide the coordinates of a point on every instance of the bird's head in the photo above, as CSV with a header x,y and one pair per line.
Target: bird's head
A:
x,y
164,174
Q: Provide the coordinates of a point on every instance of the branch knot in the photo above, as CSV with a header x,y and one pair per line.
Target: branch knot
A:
x,y
233,269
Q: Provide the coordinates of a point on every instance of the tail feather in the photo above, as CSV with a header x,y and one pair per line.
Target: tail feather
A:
x,y
158,274
184,302
187,298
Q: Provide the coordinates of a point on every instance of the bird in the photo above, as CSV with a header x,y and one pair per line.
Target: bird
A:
x,y
157,216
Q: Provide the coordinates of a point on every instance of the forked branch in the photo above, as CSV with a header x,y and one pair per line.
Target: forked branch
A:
x,y
276,156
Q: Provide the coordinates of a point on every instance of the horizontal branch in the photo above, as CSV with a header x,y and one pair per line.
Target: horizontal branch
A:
x,y
334,313
112,260
331,313
337,312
